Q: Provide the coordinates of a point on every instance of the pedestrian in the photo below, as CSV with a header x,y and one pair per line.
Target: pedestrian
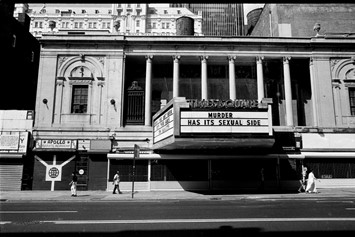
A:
x,y
303,179
311,183
116,182
73,184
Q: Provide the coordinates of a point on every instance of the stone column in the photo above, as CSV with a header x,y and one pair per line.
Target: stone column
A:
x,y
148,92
260,77
314,97
176,76
58,99
232,86
204,90
288,91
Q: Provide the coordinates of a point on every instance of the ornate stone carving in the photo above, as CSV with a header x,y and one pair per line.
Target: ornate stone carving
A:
x,y
61,60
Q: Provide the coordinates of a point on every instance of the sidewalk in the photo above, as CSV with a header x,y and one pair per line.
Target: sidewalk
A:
x,y
65,195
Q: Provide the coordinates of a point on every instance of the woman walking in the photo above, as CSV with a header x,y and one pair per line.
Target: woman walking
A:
x,y
311,183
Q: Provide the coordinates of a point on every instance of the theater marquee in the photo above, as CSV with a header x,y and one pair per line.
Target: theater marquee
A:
x,y
181,121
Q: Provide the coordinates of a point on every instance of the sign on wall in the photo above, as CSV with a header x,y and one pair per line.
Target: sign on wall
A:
x,y
16,142
56,144
224,122
54,173
163,126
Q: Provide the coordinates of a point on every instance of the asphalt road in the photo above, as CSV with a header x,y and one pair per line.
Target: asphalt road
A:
x,y
261,217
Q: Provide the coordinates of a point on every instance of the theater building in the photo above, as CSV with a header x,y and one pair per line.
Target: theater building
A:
x,y
207,113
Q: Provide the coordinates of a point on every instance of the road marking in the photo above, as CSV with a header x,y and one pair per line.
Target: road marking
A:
x,y
29,212
5,222
160,221
335,201
350,209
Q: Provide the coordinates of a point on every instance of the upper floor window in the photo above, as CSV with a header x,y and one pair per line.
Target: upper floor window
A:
x,y
165,11
57,11
83,11
96,11
109,11
79,99
138,5
352,100
167,25
137,23
154,25
178,12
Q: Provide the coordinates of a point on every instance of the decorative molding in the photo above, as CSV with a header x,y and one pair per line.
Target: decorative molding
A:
x,y
286,59
149,57
176,57
204,58
101,60
61,60
259,59
333,62
232,58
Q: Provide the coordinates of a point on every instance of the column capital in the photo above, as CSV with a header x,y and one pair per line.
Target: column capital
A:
x,y
176,57
204,58
149,57
259,59
286,59
232,58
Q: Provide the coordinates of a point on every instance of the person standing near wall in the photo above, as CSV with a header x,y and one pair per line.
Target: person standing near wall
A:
x,y
303,179
73,184
116,182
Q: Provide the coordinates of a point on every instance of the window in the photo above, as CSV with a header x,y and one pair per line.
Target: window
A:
x,y
57,11
167,25
352,100
76,25
137,23
154,25
36,24
79,99
40,24
96,11
90,25
165,11
109,11
80,25
94,25
103,25
178,12
108,25
83,11
138,13
163,25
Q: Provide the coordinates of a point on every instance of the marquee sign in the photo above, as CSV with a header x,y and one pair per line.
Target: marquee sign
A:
x,y
224,122
163,126
200,123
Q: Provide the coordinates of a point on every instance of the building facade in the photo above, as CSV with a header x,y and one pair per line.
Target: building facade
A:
x,y
19,71
122,19
298,20
194,113
219,19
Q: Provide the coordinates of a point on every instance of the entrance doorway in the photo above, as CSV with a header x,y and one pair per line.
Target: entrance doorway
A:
x,y
82,167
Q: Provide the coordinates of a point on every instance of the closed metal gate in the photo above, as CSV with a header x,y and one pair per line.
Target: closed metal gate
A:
x,y
10,177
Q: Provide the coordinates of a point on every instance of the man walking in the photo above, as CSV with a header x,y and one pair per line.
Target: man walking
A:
x,y
116,182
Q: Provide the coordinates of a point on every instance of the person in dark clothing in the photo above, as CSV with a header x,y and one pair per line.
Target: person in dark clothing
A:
x,y
73,184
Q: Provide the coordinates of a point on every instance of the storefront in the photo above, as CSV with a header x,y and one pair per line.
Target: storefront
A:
x,y
13,159
56,159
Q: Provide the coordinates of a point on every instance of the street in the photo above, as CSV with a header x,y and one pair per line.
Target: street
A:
x,y
263,216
